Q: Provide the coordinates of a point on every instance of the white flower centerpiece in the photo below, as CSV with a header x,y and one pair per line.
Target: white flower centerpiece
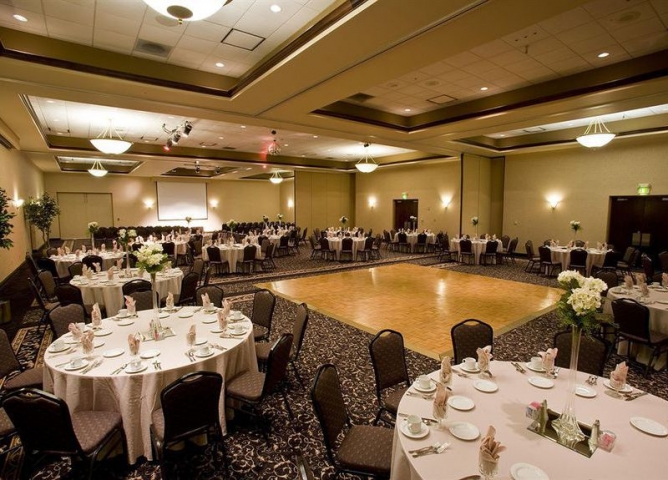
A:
x,y
232,223
474,222
413,220
151,259
93,227
265,219
343,220
125,239
280,218
577,308
575,226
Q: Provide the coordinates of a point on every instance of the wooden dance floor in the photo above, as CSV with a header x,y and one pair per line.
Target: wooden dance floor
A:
x,y
420,302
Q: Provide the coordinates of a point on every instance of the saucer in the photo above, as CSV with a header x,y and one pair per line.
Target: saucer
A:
x,y
140,368
119,317
459,402
52,348
200,341
239,333
210,320
70,368
97,343
236,315
125,323
464,430
186,314
163,315
541,382
424,430
525,471
626,389
103,332
486,386
211,310
649,426
468,370
534,369
154,352
114,352
432,387
584,391
217,330
198,354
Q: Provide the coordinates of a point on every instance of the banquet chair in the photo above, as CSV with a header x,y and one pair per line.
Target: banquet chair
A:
x,y
90,260
388,240
189,407
48,284
169,249
144,299
283,246
207,275
546,263
30,261
375,248
67,294
421,244
444,252
263,311
363,449
648,269
505,242
489,255
188,288
216,261
388,359
50,266
13,375
402,242
6,430
248,259
75,269
466,251
302,239
215,293
593,354
44,304
366,252
579,261
326,252
198,268
304,470
663,261
627,262
252,388
266,262
315,246
80,435
609,263
469,335
579,244
632,319
346,248
136,285
60,318
298,331
533,260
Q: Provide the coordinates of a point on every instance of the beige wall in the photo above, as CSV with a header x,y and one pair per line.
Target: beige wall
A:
x,y
322,198
584,180
430,184
287,200
239,199
20,179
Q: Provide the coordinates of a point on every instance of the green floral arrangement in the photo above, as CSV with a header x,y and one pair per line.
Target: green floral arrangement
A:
x,y
41,212
93,227
151,259
5,217
343,220
280,217
474,221
188,220
232,224
575,225
579,304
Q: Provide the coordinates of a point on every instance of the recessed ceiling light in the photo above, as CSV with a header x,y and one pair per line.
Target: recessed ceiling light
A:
x,y
286,145
49,101
484,88
20,18
220,138
243,126
603,54
249,168
502,135
275,8
407,109
220,64
56,119
59,133
315,136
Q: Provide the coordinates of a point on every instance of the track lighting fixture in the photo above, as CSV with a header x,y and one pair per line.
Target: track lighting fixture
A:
x,y
197,168
187,127
182,130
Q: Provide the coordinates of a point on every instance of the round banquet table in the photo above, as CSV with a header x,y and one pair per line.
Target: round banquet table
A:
x,y
135,396
635,455
110,294
412,239
478,247
563,255
232,254
64,261
335,245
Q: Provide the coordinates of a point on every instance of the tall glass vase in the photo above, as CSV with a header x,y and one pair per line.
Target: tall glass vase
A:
x,y
566,425
154,297
127,265
92,241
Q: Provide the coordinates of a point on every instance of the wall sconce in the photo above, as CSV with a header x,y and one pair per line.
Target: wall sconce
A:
x,y
148,204
291,203
446,202
554,202
18,202
214,204
372,202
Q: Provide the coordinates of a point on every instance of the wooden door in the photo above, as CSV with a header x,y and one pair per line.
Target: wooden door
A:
x,y
639,221
403,210
655,225
78,209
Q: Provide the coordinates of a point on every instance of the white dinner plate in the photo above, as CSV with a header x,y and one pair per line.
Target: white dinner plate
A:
x,y
97,343
649,426
626,389
70,368
154,352
534,369
186,314
209,320
103,332
466,369
541,382
199,354
525,471
217,330
403,428
125,323
584,391
52,348
617,289
460,402
432,387
486,386
163,315
464,430
140,368
114,352
663,302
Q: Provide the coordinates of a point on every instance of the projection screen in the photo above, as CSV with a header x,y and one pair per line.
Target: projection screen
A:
x,y
176,201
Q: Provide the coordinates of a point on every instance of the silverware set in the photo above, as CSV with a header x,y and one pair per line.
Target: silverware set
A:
x,y
461,374
433,449
191,356
633,395
425,420
592,380
93,364
420,395
156,365
518,367
120,369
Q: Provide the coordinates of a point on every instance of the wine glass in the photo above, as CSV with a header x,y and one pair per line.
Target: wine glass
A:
x,y
440,414
487,469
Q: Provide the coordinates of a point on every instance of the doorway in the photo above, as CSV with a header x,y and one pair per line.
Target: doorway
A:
x,y
640,222
403,211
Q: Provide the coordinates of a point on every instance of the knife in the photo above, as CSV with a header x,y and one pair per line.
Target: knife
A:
x,y
633,397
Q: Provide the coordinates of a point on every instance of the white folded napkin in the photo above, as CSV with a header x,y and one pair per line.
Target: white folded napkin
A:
x,y
222,320
206,302
484,357
76,331
87,341
549,357
83,248
489,451
169,301
618,375
103,247
111,272
628,281
97,267
134,342
119,263
96,315
664,279
60,252
67,250
440,405
130,304
446,371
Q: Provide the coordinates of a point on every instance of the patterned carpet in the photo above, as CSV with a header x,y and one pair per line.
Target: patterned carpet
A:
x,y
248,455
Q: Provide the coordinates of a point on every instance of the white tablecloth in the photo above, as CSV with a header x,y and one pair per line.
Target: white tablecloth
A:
x,y
635,455
135,396
411,238
110,295
231,254
335,244
63,262
477,247
563,255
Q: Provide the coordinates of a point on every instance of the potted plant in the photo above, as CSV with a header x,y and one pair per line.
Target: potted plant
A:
x,y
41,212
5,217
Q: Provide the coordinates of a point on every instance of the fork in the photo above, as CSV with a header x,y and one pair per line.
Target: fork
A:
x,y
421,395
438,450
158,365
120,369
93,365
425,449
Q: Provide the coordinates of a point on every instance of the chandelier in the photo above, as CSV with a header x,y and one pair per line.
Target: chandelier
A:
x,y
106,143
97,170
274,148
596,135
188,10
366,164
276,178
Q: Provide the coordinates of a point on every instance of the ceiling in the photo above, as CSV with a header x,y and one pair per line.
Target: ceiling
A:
x,y
486,77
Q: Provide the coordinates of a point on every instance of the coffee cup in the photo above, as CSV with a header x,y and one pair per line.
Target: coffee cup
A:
x,y
123,312
58,344
76,362
204,350
424,381
237,328
414,423
469,363
536,363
